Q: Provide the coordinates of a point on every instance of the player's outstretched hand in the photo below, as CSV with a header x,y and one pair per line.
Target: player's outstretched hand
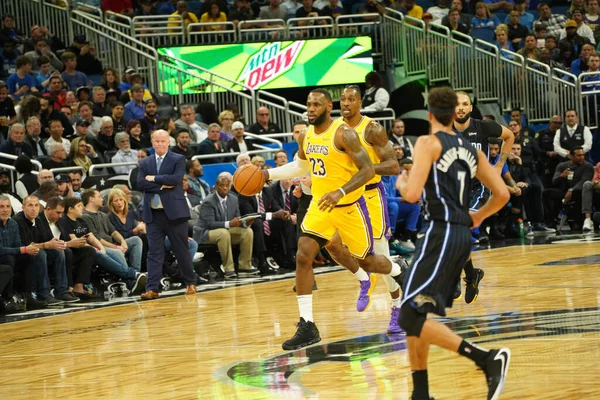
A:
x,y
330,200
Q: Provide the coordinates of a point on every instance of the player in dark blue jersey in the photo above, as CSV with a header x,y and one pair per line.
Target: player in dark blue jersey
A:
x,y
444,166
478,132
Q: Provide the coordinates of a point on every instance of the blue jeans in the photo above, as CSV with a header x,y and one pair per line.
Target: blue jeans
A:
x,y
192,244
55,259
114,262
402,210
134,253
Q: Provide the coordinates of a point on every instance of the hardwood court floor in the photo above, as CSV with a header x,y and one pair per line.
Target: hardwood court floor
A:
x,y
226,344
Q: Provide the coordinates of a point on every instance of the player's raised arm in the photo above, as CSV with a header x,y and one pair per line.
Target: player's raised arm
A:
x,y
388,165
491,180
293,169
427,150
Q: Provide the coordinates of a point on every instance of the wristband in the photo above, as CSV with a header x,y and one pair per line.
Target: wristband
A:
x,y
24,249
342,190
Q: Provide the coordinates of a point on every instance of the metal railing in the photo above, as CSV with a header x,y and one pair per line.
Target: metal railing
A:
x,y
212,33
13,157
159,30
310,28
263,30
589,87
68,169
110,165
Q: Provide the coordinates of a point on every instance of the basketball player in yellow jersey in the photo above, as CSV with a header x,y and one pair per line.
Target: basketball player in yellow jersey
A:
x,y
381,152
340,167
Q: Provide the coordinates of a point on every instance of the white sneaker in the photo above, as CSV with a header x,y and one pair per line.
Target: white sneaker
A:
x,y
588,226
409,245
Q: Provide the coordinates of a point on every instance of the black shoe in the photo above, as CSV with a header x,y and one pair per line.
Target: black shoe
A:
x,y
472,286
11,306
33,303
483,238
496,369
266,270
306,334
457,291
139,284
496,234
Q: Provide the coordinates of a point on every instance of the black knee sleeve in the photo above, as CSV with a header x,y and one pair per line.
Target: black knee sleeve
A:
x,y
410,320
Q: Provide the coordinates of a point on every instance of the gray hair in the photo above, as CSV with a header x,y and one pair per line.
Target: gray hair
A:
x,y
225,176
32,118
157,132
56,147
106,120
120,136
15,125
213,125
240,156
186,107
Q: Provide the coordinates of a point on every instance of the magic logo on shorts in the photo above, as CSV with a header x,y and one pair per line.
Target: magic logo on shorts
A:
x,y
269,63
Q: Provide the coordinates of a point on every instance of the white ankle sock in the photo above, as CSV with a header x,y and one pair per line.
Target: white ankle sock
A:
x,y
305,307
361,275
395,269
397,302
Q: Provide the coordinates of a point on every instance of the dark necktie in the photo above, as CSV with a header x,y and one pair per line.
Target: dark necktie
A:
x,y
261,209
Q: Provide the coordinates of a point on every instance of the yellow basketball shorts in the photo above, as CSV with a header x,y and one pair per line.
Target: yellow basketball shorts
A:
x,y
350,221
378,210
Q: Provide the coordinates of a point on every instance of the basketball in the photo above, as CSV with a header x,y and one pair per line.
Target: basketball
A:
x,y
248,180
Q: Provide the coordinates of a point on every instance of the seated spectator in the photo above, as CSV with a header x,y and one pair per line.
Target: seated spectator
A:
x,y
516,31
186,16
83,94
68,112
16,144
149,120
85,113
56,93
196,186
118,113
147,8
409,8
580,64
21,82
167,7
530,50
212,145
85,53
226,122
373,7
571,44
554,22
219,223
273,11
45,175
242,13
8,116
263,125
502,42
58,157
28,182
483,17
592,18
8,59
82,130
104,140
135,79
76,177
375,98
72,77
499,4
167,124
182,138
572,135
63,184
215,15
242,159
590,195
188,122
124,7
73,226
6,190
439,11
42,49
101,109
280,158
71,99
55,129
137,139
111,81
525,18
79,257
517,115
290,7
239,144
47,190
258,161
9,31
124,154
454,23
579,28
80,149
136,108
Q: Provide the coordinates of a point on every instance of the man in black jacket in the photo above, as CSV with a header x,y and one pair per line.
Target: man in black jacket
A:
x,y
212,145
16,144
238,144
284,231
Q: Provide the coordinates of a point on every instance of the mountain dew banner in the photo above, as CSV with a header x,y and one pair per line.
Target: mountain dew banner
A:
x,y
271,65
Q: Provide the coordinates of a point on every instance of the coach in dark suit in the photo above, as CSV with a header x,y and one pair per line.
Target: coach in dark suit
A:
x,y
165,212
219,224
263,233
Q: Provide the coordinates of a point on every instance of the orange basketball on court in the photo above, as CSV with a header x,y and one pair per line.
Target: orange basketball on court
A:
x,y
248,180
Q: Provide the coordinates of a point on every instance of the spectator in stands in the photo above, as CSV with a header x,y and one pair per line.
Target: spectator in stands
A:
x,y
439,11
592,18
47,190
226,119
493,5
101,109
78,255
37,32
242,159
16,144
580,64
409,8
530,50
206,113
42,49
28,182
397,137
375,98
484,18
167,124
575,34
56,92
104,140
8,59
125,83
572,135
220,224
167,7
280,158
182,138
8,116
274,11
73,226
517,115
239,144
502,42
9,31
86,60
110,80
593,64
21,82
124,7
212,145
290,7
147,8
525,18
453,22
80,149
124,218
6,190
58,157
63,184
590,192
135,109
186,16
137,139
372,7
332,9
45,176
22,259
399,152
575,5
72,77
76,177
196,186
213,16
82,130
554,22
149,120
68,112
258,161
263,124
44,74
243,12
568,181
56,130
118,117
517,32
83,94
188,122
124,154
71,99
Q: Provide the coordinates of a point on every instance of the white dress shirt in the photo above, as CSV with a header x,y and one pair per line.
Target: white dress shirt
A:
x,y
268,215
382,99
51,142
122,156
587,138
